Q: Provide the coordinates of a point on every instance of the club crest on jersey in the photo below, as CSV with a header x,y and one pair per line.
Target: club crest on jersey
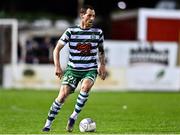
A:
x,y
84,48
93,36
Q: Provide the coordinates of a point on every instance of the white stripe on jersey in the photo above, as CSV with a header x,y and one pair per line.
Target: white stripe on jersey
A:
x,y
84,36
83,57
81,65
61,42
76,51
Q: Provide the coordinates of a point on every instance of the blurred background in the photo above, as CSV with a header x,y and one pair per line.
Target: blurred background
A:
x,y
141,42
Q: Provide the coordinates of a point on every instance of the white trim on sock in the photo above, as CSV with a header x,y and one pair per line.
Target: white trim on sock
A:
x,y
84,93
74,115
48,124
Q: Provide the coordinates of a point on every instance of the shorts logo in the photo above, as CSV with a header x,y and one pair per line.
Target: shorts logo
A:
x,y
84,48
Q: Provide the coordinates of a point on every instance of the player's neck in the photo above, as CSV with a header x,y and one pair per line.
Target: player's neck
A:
x,y
83,26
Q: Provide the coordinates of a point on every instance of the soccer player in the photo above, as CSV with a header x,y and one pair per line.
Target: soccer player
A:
x,y
85,42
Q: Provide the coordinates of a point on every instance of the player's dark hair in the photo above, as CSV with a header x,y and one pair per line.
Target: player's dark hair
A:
x,y
85,8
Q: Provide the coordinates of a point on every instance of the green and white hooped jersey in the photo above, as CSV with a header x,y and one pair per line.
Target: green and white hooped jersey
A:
x,y
83,47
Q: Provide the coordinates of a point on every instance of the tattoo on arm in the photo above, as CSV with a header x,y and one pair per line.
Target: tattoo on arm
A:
x,y
101,54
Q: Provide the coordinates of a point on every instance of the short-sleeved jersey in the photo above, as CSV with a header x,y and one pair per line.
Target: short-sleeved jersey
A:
x,y
83,47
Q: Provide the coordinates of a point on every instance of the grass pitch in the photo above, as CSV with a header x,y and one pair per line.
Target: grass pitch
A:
x,y
25,111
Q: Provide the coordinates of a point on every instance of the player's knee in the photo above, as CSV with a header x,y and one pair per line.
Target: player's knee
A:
x,y
64,92
85,88
62,98
87,84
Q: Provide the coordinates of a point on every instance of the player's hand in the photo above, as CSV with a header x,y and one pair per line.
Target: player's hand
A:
x,y
58,72
102,72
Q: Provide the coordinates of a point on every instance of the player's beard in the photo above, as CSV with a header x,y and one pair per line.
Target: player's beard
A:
x,y
89,24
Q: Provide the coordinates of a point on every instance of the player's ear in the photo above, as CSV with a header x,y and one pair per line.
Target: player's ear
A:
x,y
81,15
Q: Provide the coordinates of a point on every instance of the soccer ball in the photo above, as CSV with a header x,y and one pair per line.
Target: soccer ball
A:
x,y
87,125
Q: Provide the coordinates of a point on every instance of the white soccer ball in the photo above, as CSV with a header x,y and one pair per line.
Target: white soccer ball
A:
x,y
87,125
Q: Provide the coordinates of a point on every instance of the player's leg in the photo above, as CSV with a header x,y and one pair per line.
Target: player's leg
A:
x,y
69,83
86,86
56,106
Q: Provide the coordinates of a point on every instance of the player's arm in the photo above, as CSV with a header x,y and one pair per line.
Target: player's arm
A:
x,y
56,58
102,65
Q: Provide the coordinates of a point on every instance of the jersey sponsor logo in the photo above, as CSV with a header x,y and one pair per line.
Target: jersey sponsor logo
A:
x,y
84,48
